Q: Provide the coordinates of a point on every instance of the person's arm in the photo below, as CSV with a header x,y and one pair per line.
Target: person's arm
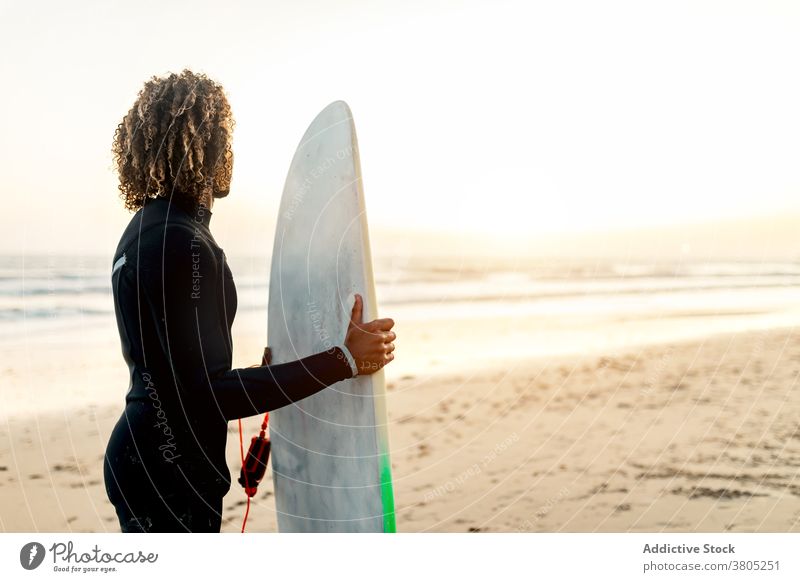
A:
x,y
181,282
266,358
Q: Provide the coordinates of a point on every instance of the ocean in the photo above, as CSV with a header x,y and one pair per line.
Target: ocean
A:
x,y
41,295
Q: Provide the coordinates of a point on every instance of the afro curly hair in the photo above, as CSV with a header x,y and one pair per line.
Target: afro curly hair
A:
x,y
175,142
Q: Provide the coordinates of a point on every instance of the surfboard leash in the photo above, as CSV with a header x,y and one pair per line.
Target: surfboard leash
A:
x,y
254,466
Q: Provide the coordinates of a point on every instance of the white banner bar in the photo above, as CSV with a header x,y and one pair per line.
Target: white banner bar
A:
x,y
415,557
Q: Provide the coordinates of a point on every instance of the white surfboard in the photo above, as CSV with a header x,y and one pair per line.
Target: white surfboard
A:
x,y
330,452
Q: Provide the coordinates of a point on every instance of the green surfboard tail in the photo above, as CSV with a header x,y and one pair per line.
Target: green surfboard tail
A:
x,y
387,494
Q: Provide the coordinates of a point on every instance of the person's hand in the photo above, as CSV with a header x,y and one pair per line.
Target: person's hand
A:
x,y
265,359
371,344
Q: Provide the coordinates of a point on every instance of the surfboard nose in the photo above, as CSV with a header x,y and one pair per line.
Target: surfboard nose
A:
x,y
334,115
335,111
340,105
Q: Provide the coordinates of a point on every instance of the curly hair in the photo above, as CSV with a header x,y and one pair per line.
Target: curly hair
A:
x,y
175,142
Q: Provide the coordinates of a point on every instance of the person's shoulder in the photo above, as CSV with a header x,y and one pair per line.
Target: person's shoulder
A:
x,y
176,239
148,223
173,253
159,234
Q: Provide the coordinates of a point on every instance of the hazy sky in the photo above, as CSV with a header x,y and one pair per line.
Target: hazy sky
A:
x,y
504,119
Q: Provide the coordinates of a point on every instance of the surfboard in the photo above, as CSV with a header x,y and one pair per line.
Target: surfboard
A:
x,y
330,452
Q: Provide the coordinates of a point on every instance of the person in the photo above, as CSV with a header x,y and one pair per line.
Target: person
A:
x,y
175,301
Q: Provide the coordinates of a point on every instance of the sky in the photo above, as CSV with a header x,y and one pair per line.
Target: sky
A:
x,y
495,125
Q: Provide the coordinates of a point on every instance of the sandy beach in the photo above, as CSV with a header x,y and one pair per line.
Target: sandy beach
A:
x,y
698,435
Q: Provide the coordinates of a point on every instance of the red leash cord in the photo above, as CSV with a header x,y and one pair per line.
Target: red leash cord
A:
x,y
254,465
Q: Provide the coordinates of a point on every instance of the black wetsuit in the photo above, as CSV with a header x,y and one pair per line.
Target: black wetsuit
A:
x,y
175,301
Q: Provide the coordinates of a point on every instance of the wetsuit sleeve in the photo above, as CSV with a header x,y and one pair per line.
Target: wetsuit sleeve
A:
x,y
350,359
184,290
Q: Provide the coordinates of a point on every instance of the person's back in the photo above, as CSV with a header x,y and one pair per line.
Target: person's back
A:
x,y
168,431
